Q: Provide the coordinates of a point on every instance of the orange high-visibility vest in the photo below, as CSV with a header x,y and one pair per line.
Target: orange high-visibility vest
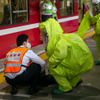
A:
x,y
14,60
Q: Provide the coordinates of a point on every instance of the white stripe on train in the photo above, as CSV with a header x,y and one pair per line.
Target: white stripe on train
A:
x,y
31,26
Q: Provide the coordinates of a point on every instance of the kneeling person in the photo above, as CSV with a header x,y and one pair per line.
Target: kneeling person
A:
x,y
69,56
23,66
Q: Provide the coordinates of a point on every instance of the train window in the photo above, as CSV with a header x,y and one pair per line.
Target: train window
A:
x,y
66,7
13,12
19,11
5,14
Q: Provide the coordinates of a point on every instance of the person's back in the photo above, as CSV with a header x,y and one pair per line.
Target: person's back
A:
x,y
77,55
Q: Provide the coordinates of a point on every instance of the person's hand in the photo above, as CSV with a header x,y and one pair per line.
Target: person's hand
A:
x,y
46,69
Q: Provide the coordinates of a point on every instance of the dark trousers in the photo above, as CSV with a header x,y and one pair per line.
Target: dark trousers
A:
x,y
45,17
30,76
55,18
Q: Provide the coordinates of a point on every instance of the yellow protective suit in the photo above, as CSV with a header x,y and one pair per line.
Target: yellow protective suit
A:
x,y
85,26
69,56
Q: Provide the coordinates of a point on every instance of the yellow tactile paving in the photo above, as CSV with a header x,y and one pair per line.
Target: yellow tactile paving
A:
x,y
44,57
88,34
2,78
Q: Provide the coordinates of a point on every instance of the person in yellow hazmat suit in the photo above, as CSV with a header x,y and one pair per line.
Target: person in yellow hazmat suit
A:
x,y
69,56
92,15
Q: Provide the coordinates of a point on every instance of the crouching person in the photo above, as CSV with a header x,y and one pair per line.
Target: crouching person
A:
x,y
69,56
23,66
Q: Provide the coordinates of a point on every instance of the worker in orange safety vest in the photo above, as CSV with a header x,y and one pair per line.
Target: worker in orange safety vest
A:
x,y
23,66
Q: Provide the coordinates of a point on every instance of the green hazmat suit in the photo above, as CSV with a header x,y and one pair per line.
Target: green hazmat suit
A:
x,y
68,55
85,26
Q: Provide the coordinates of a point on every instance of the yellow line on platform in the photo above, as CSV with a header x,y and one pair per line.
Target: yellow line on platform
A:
x,y
44,57
2,78
88,34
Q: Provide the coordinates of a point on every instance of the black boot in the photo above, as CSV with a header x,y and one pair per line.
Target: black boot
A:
x,y
14,90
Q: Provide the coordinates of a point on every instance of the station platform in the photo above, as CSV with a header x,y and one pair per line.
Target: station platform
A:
x,y
89,89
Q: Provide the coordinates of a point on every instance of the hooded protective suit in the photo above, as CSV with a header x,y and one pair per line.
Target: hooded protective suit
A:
x,y
93,16
68,55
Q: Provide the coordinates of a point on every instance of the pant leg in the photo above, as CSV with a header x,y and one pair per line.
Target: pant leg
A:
x,y
10,81
98,49
30,75
35,77
74,81
63,82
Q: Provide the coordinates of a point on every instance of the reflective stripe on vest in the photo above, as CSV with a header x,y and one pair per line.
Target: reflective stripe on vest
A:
x,y
48,7
14,59
13,65
54,10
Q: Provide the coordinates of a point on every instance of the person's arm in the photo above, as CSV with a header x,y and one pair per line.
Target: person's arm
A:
x,y
85,25
36,59
60,52
41,4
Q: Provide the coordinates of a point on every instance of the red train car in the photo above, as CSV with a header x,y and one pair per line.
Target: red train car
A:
x,y
23,17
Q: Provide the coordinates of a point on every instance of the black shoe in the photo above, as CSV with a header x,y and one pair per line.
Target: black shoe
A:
x,y
80,81
32,91
14,90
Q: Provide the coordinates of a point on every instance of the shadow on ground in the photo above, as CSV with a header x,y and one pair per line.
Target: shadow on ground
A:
x,y
79,93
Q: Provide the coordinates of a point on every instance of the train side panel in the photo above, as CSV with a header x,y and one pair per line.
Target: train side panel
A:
x,y
9,33
8,41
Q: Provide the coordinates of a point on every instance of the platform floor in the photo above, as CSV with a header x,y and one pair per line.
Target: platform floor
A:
x,y
88,90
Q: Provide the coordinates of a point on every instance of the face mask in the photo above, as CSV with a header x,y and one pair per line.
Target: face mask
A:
x,y
28,45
